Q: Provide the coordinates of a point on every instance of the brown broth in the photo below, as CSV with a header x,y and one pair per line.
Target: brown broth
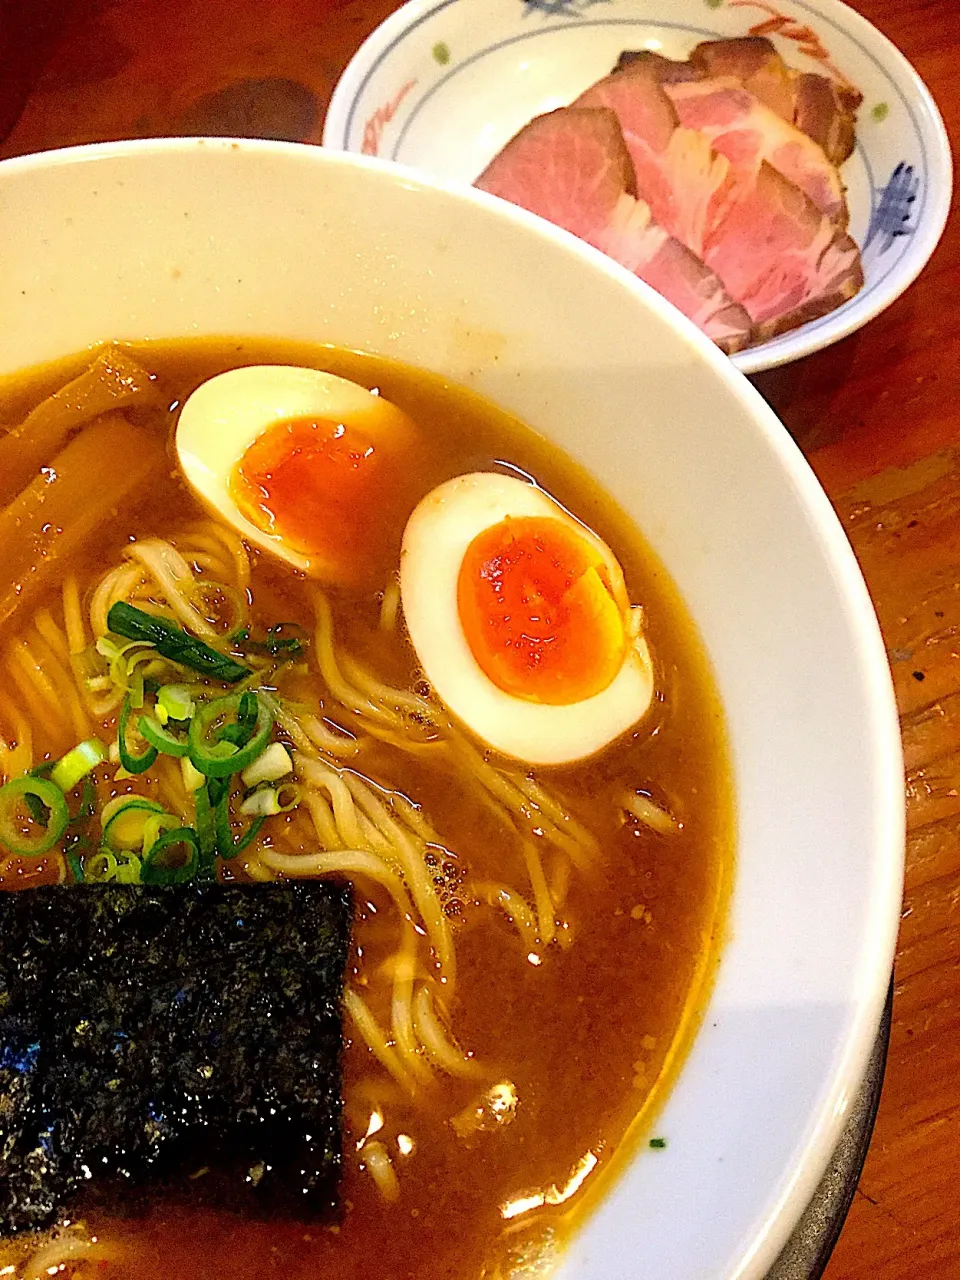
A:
x,y
590,1034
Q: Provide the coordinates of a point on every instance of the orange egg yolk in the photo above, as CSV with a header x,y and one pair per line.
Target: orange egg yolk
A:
x,y
325,487
539,612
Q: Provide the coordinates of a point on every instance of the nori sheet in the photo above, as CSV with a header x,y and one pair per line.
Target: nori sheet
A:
x,y
177,1043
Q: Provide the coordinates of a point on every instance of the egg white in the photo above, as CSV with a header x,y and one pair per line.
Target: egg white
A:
x,y
227,413
435,541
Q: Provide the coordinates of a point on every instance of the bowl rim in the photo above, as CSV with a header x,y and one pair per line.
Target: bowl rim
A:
x,y
883,758
796,343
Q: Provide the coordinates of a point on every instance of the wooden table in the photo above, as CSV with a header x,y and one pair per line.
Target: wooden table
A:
x,y
878,416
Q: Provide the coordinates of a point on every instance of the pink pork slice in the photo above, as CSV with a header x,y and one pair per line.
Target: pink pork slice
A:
x,y
821,107
653,95
775,252
573,168
687,185
781,258
740,127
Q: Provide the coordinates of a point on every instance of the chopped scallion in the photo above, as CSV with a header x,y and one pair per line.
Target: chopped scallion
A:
x,y
227,846
130,761
175,703
272,800
129,871
155,825
206,831
101,868
75,863
107,865
34,836
280,646
123,820
211,751
135,688
76,764
162,865
270,766
87,807
161,738
193,779
174,643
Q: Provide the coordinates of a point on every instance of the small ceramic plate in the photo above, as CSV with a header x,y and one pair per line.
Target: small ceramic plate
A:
x,y
442,85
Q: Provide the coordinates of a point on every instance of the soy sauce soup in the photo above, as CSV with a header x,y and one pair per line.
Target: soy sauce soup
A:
x,y
484,1109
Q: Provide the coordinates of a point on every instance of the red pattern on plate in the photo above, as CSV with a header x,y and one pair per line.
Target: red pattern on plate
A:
x,y
373,129
803,36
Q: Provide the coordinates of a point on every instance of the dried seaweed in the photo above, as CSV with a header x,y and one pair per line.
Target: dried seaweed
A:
x,y
179,1043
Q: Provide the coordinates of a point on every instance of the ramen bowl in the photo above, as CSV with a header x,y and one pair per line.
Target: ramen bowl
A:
x,y
443,85
180,238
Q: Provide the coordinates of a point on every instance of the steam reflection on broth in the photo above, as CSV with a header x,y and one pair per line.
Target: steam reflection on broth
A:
x,y
532,945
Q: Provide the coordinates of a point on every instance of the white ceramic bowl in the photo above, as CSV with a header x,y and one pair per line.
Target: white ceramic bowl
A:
x,y
442,85
174,237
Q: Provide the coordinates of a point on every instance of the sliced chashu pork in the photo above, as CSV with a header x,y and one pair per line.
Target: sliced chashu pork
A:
x,y
781,258
821,107
738,125
776,253
686,183
573,168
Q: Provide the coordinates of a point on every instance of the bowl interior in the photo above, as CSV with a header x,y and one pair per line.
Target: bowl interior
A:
x,y
443,86
167,238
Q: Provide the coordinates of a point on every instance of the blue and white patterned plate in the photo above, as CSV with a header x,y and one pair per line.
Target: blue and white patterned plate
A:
x,y
442,85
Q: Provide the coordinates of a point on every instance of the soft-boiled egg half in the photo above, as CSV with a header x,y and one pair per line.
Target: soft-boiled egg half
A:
x,y
520,620
305,464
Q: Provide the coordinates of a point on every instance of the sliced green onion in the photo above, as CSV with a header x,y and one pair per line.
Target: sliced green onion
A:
x,y
277,645
240,733
108,647
167,743
175,703
38,811
135,689
124,819
157,866
130,800
129,871
75,863
217,788
87,807
270,766
193,779
106,866
210,751
101,868
76,764
206,830
174,643
227,846
129,760
123,660
272,800
155,825
49,828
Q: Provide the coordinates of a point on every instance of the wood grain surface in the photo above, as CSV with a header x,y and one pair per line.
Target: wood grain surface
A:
x,y
878,416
